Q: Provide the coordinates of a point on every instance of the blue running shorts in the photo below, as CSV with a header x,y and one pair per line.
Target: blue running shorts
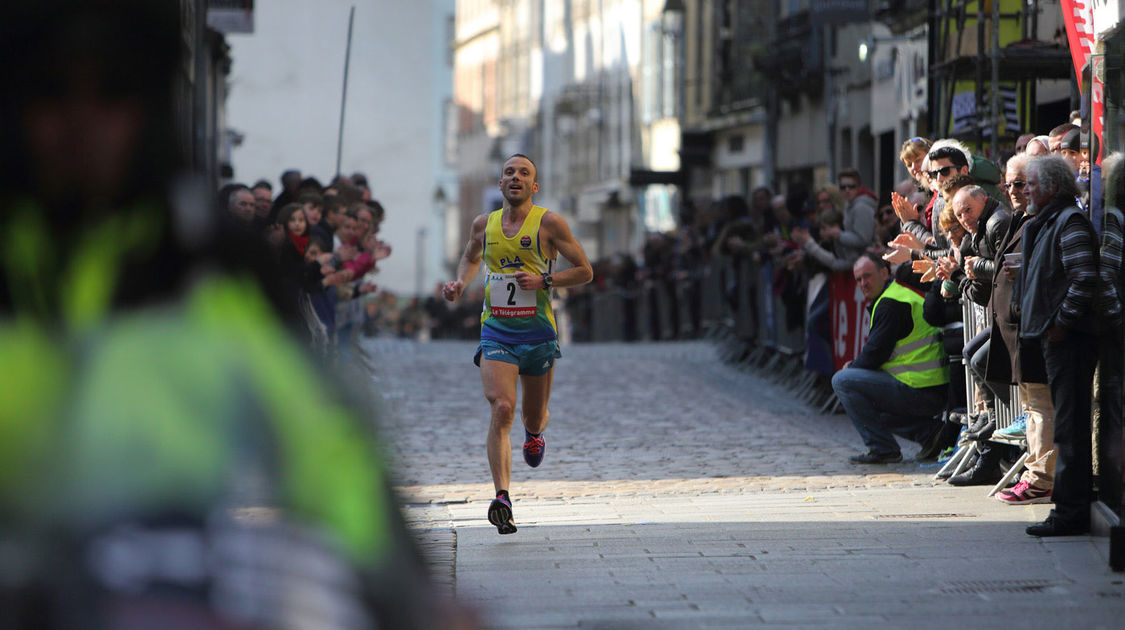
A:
x,y
534,359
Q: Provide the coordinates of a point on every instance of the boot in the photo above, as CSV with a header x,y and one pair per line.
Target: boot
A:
x,y
982,428
986,471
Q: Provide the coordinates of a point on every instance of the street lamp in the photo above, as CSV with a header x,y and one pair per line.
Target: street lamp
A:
x,y
673,17
868,45
865,50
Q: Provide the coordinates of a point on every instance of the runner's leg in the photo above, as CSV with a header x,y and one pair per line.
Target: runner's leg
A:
x,y
536,396
499,380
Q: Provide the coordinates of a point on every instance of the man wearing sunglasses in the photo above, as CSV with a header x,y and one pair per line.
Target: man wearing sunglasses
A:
x,y
859,213
947,162
950,158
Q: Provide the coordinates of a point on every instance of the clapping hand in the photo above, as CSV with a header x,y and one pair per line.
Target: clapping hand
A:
x,y
898,254
378,249
925,268
904,210
946,267
382,250
347,252
909,241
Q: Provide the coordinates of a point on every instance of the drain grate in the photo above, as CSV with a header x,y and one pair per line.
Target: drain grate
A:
x,y
894,516
969,587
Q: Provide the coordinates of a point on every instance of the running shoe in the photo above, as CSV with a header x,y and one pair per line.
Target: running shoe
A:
x,y
1017,429
500,514
946,454
533,447
1024,493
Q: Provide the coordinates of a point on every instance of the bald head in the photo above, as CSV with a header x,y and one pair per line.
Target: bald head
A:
x,y
968,204
872,275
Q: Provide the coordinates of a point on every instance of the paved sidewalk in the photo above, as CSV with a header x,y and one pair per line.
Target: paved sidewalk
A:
x,y
681,493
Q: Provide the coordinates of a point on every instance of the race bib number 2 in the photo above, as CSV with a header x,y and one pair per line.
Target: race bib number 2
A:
x,y
507,299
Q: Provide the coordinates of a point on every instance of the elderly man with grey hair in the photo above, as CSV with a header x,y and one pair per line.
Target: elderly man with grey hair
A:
x,y
1056,291
1011,360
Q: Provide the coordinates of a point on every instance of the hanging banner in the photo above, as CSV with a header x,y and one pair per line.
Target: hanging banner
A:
x,y
1079,18
850,320
1097,105
818,326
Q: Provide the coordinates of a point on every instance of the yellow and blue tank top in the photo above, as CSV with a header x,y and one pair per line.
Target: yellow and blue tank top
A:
x,y
511,314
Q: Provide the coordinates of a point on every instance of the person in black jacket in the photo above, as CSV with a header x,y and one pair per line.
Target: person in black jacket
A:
x,y
1056,289
986,222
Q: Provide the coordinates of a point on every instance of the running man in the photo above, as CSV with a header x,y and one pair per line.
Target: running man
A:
x,y
518,339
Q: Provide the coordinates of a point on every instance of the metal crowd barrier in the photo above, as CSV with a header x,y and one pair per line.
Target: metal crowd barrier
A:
x,y
747,320
977,318
738,309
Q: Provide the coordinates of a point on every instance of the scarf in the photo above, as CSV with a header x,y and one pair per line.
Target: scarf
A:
x,y
300,242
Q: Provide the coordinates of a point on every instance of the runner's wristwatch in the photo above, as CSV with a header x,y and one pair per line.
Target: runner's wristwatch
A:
x,y
547,281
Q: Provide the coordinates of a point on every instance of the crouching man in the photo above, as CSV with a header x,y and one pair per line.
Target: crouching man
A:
x,y
899,382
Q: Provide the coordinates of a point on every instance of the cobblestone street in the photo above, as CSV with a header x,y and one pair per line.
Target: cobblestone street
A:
x,y
679,492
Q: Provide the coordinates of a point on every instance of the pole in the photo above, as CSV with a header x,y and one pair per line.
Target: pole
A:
x,y
829,100
420,263
994,99
344,98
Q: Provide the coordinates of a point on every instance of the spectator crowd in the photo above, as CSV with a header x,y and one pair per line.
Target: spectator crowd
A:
x,y
323,250
1028,243
1028,249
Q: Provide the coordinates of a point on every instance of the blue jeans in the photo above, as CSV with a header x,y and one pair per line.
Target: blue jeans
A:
x,y
881,407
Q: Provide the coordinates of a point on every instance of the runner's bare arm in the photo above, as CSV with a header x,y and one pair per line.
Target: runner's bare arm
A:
x,y
470,260
562,240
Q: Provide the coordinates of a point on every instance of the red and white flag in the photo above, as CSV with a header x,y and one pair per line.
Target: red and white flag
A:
x,y
1079,18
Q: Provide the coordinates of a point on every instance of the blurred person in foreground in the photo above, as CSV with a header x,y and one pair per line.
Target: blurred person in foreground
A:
x,y
1111,447
168,456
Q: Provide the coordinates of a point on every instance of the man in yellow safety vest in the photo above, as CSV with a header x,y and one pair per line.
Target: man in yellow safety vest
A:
x,y
898,383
